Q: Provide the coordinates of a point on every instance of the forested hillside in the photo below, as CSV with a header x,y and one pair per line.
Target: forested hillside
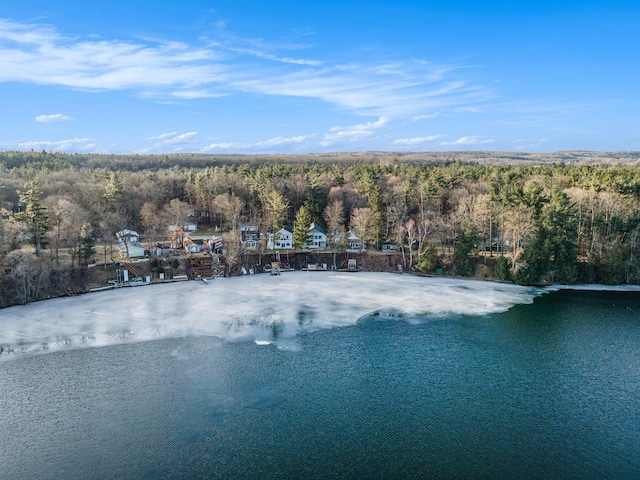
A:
x,y
567,217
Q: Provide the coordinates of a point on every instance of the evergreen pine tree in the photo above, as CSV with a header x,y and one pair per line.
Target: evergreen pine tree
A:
x,y
301,236
35,216
87,243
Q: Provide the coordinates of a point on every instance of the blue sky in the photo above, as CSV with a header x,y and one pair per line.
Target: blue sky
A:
x,y
316,76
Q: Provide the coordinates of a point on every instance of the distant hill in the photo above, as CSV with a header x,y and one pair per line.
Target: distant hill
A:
x,y
135,162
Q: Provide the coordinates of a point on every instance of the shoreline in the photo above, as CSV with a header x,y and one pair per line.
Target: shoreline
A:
x,y
259,308
473,278
264,308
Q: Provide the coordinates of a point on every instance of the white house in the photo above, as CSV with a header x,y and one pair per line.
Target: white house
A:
x,y
317,237
353,241
190,226
193,248
129,244
159,251
127,236
283,239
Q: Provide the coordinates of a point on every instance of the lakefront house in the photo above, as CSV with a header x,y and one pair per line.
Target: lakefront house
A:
x,y
129,244
249,235
317,237
354,243
282,240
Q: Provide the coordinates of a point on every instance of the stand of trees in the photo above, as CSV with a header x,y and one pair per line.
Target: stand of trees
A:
x,y
545,223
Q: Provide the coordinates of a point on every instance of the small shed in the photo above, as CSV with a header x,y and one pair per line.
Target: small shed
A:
x,y
389,245
353,241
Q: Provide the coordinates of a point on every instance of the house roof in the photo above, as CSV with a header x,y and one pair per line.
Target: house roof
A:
x,y
130,248
127,233
286,229
317,228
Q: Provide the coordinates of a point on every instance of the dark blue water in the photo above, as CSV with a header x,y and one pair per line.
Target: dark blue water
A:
x,y
549,390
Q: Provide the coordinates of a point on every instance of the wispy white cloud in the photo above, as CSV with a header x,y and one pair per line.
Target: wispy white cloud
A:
x,y
172,138
263,145
163,136
469,109
56,117
224,146
417,118
191,94
417,140
276,58
548,114
377,88
469,140
335,136
352,133
173,141
182,138
278,141
38,54
72,144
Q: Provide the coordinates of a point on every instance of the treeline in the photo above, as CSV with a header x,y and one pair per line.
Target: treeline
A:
x,y
546,222
30,162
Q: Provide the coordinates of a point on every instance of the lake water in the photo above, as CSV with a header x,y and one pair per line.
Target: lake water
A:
x,y
354,376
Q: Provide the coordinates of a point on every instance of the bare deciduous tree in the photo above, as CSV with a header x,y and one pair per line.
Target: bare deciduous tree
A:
x,y
230,207
362,223
177,213
519,228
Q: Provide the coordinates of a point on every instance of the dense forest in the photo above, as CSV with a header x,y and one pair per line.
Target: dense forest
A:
x,y
547,218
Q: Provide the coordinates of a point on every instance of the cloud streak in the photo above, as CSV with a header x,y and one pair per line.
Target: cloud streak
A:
x,y
170,140
278,141
352,133
417,118
263,145
39,54
178,139
380,89
72,144
224,146
417,140
268,56
469,140
56,117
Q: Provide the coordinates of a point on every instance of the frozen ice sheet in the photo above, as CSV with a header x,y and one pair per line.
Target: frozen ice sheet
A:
x,y
261,308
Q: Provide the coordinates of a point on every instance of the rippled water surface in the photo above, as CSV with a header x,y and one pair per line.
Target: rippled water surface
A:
x,y
544,390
